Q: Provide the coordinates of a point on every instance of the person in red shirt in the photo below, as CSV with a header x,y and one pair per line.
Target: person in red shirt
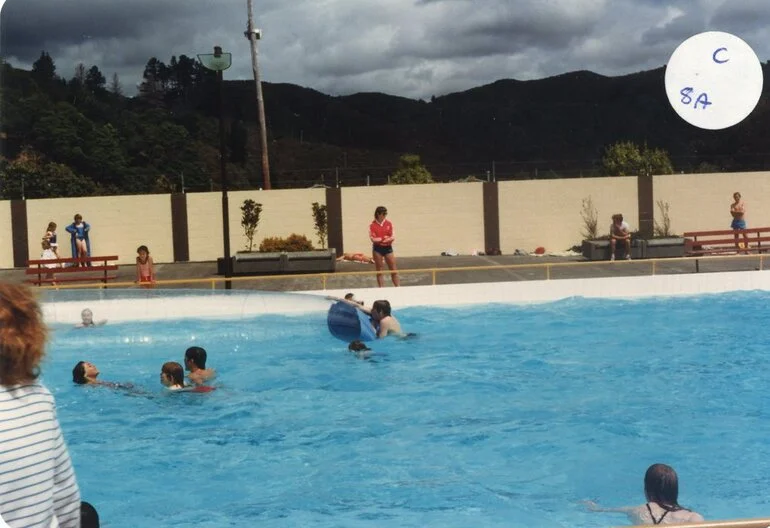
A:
x,y
381,235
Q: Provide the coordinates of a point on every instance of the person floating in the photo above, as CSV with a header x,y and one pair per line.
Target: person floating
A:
x,y
85,373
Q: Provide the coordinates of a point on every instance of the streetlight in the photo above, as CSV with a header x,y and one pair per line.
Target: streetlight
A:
x,y
219,62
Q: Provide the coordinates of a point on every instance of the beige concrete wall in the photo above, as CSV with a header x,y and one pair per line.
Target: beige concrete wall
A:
x,y
701,202
284,212
547,212
119,224
6,240
427,219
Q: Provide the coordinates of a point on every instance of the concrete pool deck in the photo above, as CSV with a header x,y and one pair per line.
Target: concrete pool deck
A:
x,y
464,281
470,269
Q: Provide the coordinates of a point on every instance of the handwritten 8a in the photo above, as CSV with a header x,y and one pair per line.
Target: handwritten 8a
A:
x,y
703,98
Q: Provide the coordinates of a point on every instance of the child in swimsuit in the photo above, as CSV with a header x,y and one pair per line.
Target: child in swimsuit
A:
x,y
172,377
50,237
145,271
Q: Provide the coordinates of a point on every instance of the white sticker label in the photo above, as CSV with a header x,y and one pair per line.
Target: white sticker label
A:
x,y
714,80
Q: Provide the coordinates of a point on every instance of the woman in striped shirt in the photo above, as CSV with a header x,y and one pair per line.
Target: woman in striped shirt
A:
x,y
37,481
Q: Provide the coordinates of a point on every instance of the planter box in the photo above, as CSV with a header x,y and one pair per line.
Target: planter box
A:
x,y
320,261
278,263
665,247
258,263
600,249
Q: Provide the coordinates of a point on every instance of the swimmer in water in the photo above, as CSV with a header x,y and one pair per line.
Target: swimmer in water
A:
x,y
383,321
86,373
360,349
172,377
87,320
351,297
195,362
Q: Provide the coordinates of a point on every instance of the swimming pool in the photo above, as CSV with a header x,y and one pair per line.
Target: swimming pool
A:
x,y
497,415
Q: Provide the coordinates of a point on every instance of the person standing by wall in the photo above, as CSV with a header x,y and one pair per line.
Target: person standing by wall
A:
x,y
81,243
738,212
50,237
381,235
38,485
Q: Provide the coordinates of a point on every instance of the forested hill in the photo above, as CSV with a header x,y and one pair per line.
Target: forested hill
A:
x,y
80,136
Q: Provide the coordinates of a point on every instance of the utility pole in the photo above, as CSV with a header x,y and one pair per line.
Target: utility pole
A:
x,y
254,35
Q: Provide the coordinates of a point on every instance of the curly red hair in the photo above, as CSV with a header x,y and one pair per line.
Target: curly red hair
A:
x,y
23,335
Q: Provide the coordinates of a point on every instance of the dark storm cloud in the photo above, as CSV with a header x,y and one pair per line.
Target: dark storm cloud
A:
x,y
414,48
26,26
746,16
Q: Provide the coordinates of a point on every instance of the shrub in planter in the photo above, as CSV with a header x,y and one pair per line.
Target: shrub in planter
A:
x,y
293,242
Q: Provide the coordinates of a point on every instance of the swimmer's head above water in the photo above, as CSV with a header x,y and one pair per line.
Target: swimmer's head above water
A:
x,y
381,309
195,356
88,317
84,373
172,375
351,297
358,346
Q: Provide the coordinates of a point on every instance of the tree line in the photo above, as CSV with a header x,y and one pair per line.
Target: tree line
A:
x,y
82,136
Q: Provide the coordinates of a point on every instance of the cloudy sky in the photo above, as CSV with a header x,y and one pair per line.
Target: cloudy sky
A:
x,y
412,48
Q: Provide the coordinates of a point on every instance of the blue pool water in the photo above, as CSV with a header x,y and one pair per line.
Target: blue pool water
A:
x,y
494,416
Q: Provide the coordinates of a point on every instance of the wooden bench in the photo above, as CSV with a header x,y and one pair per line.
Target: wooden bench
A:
x,y
722,242
87,269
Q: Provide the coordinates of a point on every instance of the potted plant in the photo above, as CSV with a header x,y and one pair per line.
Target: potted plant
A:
x,y
664,243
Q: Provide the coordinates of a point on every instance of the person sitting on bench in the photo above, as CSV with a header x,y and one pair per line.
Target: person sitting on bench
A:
x,y
619,231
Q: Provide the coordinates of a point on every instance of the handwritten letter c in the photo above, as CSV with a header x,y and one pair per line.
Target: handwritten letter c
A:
x,y
714,56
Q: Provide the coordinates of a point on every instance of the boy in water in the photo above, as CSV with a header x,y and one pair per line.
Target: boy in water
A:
x,y
195,362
